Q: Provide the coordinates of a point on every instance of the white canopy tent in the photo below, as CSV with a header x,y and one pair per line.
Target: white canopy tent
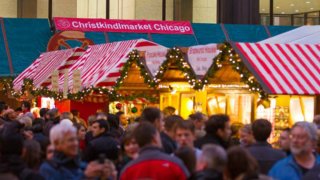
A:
x,y
301,35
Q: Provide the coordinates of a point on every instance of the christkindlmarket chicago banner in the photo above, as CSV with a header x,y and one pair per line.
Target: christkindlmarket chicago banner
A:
x,y
130,26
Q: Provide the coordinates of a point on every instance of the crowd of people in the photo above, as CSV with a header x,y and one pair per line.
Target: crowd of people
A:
x,y
158,145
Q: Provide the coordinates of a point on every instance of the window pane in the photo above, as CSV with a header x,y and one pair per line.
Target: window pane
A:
x,y
283,20
313,18
298,20
264,12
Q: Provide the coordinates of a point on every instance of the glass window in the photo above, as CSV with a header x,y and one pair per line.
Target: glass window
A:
x,y
264,12
313,18
283,20
298,19
290,12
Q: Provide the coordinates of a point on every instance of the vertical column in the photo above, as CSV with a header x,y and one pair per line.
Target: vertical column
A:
x,y
238,11
27,8
163,10
107,9
183,10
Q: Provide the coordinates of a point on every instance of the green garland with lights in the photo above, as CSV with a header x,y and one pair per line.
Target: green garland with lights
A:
x,y
134,58
78,96
7,83
114,96
176,57
228,54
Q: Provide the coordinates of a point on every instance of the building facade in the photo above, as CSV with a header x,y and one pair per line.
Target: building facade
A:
x,y
288,12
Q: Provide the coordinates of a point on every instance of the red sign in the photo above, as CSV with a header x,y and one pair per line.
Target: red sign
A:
x,y
129,26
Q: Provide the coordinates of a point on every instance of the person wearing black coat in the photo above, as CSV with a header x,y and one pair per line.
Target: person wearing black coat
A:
x,y
217,132
102,143
37,129
262,151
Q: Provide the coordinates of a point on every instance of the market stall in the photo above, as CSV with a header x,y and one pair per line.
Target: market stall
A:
x,y
112,72
289,73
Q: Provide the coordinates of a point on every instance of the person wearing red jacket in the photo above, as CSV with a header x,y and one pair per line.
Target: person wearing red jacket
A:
x,y
152,162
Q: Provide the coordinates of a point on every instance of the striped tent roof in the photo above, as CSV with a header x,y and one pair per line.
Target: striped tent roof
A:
x,y
41,69
66,65
283,68
100,65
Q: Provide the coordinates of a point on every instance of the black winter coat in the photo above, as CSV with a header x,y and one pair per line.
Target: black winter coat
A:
x,y
104,144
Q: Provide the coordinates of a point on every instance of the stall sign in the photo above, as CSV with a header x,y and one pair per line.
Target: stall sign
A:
x,y
154,59
201,57
55,81
76,81
65,84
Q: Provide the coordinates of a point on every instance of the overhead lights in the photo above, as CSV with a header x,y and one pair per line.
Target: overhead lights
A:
x,y
278,7
311,8
297,10
282,12
263,10
291,4
308,2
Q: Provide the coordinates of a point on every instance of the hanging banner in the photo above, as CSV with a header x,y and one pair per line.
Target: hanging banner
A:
x,y
76,81
65,84
154,59
201,57
127,26
55,81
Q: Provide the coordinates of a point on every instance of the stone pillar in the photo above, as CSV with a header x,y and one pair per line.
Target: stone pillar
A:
x,y
8,8
27,8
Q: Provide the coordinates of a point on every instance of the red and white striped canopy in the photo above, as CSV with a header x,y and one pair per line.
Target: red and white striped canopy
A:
x,y
41,69
66,65
100,65
284,68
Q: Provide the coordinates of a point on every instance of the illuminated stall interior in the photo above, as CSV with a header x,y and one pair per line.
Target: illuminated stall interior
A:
x,y
135,92
227,95
285,110
175,91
